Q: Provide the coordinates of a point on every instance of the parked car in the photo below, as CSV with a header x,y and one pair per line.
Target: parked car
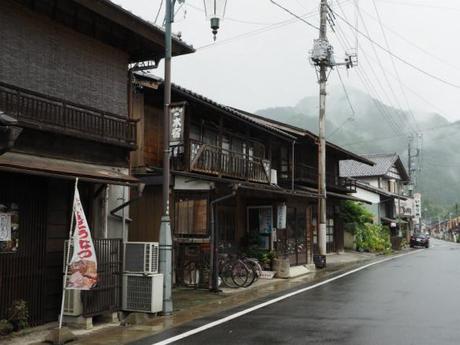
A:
x,y
420,240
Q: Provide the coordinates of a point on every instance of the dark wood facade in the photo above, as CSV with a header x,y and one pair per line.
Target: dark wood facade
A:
x,y
64,75
225,150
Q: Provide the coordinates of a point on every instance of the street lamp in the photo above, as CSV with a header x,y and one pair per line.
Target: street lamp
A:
x,y
215,11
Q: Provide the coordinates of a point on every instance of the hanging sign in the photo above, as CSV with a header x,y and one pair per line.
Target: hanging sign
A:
x,y
5,227
82,269
281,216
176,116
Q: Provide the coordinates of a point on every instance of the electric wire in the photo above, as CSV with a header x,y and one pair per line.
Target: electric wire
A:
x,y
402,60
411,43
353,113
230,19
394,66
274,26
397,107
158,12
294,15
423,130
368,85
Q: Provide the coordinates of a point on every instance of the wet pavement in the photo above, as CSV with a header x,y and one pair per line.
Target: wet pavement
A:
x,y
198,304
408,300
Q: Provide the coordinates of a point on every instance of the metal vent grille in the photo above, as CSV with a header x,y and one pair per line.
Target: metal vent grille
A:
x,y
139,293
141,257
134,257
155,257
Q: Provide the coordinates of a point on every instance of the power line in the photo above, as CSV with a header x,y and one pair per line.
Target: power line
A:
x,y
411,43
420,5
294,15
419,69
158,12
368,85
379,62
401,135
394,65
227,18
274,26
366,82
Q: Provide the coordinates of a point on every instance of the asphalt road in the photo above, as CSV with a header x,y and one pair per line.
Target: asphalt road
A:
x,y
409,300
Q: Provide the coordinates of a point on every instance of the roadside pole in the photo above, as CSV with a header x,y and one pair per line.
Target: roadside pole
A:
x,y
323,66
165,227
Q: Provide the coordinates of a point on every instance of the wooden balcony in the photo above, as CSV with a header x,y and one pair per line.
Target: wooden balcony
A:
x,y
214,160
38,111
309,175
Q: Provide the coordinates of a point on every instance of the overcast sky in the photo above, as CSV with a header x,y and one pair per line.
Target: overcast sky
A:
x,y
258,63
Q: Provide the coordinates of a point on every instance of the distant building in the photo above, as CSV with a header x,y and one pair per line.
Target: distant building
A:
x,y
382,186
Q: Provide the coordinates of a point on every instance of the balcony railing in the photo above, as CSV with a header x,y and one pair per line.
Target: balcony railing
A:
x,y
214,160
308,174
35,110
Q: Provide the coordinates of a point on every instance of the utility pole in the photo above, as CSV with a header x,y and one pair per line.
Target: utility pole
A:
x,y
322,135
165,227
322,57
215,11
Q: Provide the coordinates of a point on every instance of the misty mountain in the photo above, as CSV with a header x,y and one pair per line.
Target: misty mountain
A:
x,y
371,129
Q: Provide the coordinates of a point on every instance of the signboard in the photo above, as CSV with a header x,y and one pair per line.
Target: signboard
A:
x,y
5,227
82,269
281,216
176,115
418,205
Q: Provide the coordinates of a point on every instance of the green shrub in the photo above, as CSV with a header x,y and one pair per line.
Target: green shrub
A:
x,y
373,238
18,314
5,327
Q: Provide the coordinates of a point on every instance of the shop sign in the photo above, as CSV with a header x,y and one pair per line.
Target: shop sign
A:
x,y
281,216
177,112
82,269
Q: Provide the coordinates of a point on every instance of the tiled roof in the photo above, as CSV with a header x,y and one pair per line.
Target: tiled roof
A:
x,y
281,129
226,109
383,164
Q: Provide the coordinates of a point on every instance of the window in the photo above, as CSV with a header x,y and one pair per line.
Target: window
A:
x,y
9,228
191,217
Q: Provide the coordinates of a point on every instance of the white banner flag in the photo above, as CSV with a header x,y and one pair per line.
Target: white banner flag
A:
x,y
82,270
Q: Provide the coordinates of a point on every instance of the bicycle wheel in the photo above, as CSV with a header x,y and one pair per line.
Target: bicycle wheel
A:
x,y
254,265
191,274
226,276
241,274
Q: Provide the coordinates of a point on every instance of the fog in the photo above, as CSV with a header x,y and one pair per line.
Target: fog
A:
x,y
255,64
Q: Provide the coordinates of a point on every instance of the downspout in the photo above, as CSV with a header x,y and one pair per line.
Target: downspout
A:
x,y
215,241
106,211
293,165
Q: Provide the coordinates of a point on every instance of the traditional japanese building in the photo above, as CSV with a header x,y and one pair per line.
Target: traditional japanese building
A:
x,y
64,77
239,179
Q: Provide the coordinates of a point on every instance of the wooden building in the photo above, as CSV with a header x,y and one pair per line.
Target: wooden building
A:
x,y
232,171
64,77
382,186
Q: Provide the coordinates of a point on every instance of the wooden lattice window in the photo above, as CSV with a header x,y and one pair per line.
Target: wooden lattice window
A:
x,y
191,217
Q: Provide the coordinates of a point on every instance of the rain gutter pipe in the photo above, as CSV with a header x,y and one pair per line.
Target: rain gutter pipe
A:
x,y
215,241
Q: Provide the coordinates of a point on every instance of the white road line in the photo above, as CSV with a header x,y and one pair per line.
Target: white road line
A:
x,y
275,300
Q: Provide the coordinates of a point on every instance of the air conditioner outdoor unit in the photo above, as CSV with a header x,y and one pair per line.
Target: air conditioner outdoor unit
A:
x,y
72,303
141,257
274,176
142,293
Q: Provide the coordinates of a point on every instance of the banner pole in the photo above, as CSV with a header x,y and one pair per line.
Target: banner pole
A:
x,y
61,315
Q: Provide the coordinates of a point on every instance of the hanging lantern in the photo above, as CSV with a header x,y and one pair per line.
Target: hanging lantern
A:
x,y
215,11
